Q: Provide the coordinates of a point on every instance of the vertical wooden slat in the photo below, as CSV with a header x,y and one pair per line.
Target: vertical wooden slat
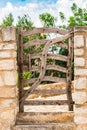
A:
x,y
20,70
29,62
69,74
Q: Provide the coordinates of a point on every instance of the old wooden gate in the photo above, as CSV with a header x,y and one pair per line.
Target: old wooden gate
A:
x,y
41,64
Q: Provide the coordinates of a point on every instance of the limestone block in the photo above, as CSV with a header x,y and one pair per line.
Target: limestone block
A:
x,y
6,104
14,54
86,42
81,72
80,109
8,46
79,52
81,127
0,35
10,77
8,92
4,126
5,54
47,126
80,83
7,64
78,41
9,34
8,116
80,119
80,97
79,61
1,81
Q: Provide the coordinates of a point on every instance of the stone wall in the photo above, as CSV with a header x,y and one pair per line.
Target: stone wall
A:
x,y
8,78
80,86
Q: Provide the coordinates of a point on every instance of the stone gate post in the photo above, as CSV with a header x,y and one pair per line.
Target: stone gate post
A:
x,y
8,78
80,77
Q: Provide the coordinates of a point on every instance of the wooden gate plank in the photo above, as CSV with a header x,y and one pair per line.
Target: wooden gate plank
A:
x,y
47,102
44,30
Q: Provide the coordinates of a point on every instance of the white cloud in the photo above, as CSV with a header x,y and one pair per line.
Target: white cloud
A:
x,y
34,9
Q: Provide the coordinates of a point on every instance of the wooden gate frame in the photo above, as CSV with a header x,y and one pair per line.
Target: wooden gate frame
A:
x,y
65,35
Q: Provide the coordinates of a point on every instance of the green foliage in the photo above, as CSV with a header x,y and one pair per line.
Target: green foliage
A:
x,y
62,16
79,17
74,7
47,19
8,20
27,75
24,22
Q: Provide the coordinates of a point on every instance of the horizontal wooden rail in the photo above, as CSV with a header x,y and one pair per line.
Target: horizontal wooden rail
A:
x,y
46,78
47,92
47,102
43,41
56,67
50,56
35,42
48,67
44,30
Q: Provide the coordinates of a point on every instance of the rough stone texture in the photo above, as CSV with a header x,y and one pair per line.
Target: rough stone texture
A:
x,y
81,109
5,54
86,42
8,34
80,97
44,117
79,41
1,81
1,35
81,83
8,93
7,46
79,52
10,77
80,119
58,126
80,94
7,64
79,61
80,72
82,127
8,109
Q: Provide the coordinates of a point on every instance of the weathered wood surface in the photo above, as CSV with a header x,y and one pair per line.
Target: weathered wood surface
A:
x,y
48,92
43,64
41,42
50,56
49,67
56,67
20,69
47,102
35,42
69,74
46,78
44,30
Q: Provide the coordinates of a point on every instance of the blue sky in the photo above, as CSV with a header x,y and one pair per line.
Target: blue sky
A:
x,y
36,7
22,2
